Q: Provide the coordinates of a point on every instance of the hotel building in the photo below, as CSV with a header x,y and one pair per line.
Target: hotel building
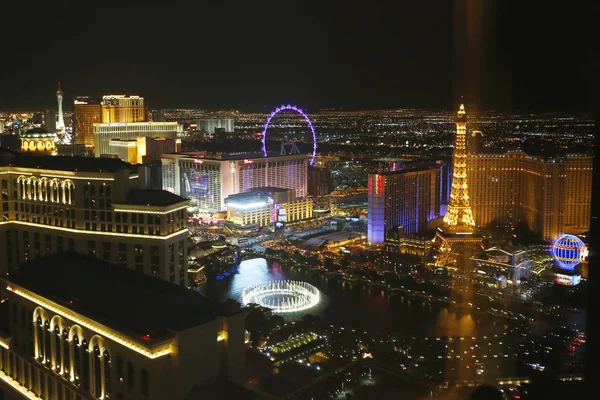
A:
x,y
211,125
410,198
143,149
549,196
103,133
319,182
86,113
122,108
38,141
266,206
80,328
99,207
207,179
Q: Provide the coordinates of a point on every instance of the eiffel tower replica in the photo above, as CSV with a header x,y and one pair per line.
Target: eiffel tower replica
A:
x,y
458,229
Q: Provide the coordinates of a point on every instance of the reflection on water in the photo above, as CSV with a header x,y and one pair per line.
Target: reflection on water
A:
x,y
356,305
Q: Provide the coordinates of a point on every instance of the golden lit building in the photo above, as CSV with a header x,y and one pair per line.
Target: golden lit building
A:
x,y
143,149
81,328
549,196
267,205
99,207
104,133
86,113
38,141
122,108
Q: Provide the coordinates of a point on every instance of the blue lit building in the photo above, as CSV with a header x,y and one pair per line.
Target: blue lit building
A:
x,y
410,198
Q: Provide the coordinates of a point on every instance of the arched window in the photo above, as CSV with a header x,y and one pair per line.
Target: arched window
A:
x,y
39,335
107,375
65,345
144,375
57,351
97,371
85,365
130,382
76,359
47,342
120,372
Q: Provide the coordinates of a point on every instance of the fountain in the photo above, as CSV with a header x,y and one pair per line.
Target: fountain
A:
x,y
282,296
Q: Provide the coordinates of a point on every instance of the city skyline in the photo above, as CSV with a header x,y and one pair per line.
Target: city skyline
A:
x,y
296,201
349,57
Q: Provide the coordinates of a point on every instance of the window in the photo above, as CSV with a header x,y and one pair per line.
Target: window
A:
x,y
66,361
76,358
47,342
57,352
130,382
42,385
120,373
144,388
85,365
39,327
107,375
97,371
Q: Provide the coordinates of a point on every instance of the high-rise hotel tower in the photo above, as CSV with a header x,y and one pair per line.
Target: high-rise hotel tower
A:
x,y
122,108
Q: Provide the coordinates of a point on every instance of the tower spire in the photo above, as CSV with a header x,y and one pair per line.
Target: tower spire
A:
x,y
60,125
459,217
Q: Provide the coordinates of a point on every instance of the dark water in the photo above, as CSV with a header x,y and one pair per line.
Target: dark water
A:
x,y
358,306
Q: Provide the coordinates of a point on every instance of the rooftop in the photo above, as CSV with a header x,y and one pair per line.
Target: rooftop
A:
x,y
37,133
408,170
152,197
269,189
125,300
63,163
233,156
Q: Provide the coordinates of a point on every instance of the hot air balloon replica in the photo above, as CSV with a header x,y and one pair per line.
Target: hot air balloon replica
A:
x,y
568,252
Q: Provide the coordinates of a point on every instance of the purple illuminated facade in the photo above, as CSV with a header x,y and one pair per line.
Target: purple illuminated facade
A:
x,y
308,121
408,198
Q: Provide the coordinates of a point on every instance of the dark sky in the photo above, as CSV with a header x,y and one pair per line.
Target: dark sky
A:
x,y
239,54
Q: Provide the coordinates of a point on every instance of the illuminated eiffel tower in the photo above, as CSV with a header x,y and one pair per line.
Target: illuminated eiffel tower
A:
x,y
459,225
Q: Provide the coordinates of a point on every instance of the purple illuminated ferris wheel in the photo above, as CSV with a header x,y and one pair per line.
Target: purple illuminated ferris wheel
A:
x,y
299,111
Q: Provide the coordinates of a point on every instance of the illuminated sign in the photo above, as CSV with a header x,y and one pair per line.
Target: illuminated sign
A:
x,y
248,161
245,206
282,215
196,161
567,280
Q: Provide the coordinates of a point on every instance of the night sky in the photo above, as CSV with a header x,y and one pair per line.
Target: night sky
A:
x,y
506,55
